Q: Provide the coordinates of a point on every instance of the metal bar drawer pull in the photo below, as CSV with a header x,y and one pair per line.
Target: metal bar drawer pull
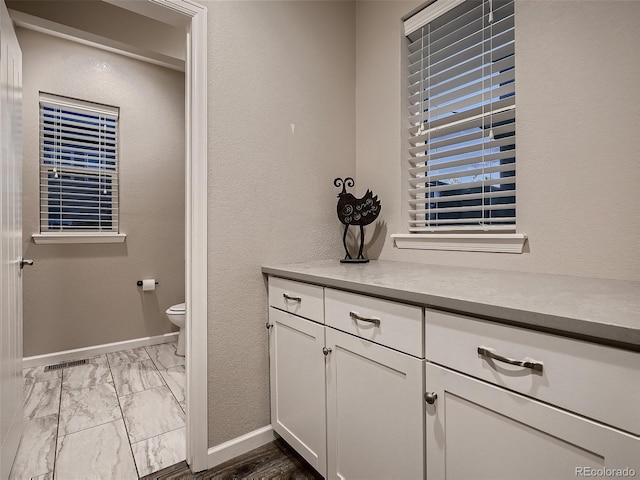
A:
x,y
289,297
356,316
532,364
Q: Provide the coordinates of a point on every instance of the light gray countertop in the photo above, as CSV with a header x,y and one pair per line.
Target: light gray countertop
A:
x,y
605,311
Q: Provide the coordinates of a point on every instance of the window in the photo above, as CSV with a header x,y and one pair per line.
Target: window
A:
x,y
78,167
461,162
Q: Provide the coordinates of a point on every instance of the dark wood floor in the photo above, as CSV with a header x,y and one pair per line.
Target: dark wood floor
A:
x,y
276,460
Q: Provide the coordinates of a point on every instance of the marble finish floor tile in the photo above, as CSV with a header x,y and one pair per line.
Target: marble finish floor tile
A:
x,y
127,356
87,407
159,452
94,372
76,418
101,452
164,355
37,374
41,398
37,449
136,377
175,379
151,413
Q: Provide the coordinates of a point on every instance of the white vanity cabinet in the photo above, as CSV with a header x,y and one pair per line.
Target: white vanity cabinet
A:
x,y
347,395
364,387
375,412
570,410
297,370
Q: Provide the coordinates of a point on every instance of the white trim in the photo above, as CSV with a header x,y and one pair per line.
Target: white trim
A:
x,y
194,16
86,352
55,101
196,240
180,19
51,238
240,445
469,242
196,200
428,14
65,32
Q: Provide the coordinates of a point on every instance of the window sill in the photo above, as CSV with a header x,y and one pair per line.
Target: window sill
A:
x,y
464,242
61,238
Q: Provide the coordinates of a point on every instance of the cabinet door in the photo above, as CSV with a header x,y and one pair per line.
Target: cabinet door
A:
x,y
374,411
481,431
297,367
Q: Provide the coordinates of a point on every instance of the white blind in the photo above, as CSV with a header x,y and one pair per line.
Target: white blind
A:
x,y
461,109
78,166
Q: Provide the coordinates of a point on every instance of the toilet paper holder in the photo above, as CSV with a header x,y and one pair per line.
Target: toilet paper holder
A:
x,y
139,283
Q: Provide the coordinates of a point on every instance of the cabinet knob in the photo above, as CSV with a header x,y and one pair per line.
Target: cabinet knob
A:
x,y
268,325
430,397
326,351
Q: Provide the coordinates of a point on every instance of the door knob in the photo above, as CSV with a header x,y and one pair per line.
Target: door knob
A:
x,y
25,261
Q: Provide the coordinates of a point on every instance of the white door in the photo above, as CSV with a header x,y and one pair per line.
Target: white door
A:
x,y
297,366
375,411
11,380
481,431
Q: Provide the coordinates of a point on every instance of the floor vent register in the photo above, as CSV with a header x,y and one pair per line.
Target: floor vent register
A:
x,y
58,366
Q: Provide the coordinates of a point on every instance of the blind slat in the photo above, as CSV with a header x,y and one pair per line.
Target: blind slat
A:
x,y
472,113
56,138
83,129
476,184
424,77
476,159
463,174
73,170
437,142
473,47
79,123
470,196
467,77
482,144
484,85
451,131
472,208
465,42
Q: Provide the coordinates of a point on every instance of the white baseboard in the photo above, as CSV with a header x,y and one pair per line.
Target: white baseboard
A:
x,y
239,445
86,352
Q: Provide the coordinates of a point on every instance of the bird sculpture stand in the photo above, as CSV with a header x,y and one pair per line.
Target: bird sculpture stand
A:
x,y
355,211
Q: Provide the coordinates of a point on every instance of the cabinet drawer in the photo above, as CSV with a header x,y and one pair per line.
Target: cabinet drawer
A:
x,y
394,325
299,298
593,380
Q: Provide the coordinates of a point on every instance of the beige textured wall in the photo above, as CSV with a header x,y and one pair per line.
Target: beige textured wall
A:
x,y
578,114
101,18
271,193
83,295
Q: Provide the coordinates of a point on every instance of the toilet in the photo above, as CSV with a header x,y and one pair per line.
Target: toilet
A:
x,y
176,315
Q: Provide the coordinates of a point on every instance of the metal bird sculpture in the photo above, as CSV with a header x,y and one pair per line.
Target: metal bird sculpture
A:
x,y
355,211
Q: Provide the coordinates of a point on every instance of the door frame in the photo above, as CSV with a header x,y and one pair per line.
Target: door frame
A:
x,y
189,14
196,273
